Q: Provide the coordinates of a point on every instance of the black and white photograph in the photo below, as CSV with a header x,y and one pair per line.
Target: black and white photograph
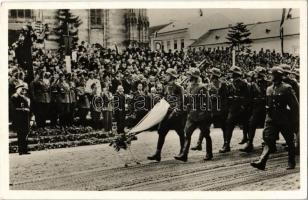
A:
x,y
147,99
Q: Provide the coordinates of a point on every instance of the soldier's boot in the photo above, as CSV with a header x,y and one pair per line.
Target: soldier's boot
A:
x,y
244,139
297,144
261,163
225,148
184,154
291,164
248,147
291,155
198,147
156,156
209,153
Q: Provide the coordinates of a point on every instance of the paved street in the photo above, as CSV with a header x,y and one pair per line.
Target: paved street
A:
x,y
99,167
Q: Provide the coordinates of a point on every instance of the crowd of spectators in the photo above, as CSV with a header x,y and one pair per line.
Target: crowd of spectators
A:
x,y
62,98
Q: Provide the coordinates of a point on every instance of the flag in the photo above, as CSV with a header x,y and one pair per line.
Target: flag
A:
x,y
153,117
289,15
285,16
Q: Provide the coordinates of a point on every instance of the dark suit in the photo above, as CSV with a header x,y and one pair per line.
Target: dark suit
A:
x,y
41,97
21,121
282,112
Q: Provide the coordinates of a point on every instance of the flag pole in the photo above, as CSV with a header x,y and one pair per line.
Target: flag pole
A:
x,y
281,38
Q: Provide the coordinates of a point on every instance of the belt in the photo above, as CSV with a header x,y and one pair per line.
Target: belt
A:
x,y
23,109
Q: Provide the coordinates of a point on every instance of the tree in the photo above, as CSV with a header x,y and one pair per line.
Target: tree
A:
x,y
67,26
238,36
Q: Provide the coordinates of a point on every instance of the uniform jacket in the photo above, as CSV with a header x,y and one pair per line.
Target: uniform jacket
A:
x,y
82,98
239,95
63,92
197,108
41,91
281,104
219,98
174,95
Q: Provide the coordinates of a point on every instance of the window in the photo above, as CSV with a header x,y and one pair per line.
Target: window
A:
x,y
96,16
21,13
13,13
182,44
168,45
175,44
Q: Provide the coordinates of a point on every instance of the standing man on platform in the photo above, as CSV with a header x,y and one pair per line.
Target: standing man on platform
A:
x,y
21,105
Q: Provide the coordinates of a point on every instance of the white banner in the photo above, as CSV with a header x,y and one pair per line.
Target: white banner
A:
x,y
154,116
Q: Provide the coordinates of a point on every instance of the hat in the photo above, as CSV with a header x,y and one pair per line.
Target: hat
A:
x,y
277,70
236,70
21,85
295,72
172,72
195,72
250,73
286,68
216,72
260,70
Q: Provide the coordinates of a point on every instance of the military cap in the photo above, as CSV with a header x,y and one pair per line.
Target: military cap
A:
x,y
172,72
215,72
236,70
250,73
260,69
296,72
21,85
286,68
277,70
195,72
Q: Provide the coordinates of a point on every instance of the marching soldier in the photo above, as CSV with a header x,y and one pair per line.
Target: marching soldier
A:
x,y
295,86
21,105
198,115
218,91
258,94
175,118
238,105
282,111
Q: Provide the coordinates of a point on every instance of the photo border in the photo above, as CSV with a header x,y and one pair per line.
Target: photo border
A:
x,y
4,156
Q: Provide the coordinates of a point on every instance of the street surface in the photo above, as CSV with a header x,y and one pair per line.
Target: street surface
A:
x,y
99,167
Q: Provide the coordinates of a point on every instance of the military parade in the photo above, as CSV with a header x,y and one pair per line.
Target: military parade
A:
x,y
83,92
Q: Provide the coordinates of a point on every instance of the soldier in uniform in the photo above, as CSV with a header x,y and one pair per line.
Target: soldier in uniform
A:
x,y
198,115
63,100
258,94
218,91
239,99
42,99
295,86
119,109
175,118
282,112
21,105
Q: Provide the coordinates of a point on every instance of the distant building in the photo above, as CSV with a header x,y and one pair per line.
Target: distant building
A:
x,y
264,35
107,27
181,34
154,43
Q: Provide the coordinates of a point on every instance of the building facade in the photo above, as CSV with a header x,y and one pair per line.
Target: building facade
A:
x,y
180,35
264,35
107,27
